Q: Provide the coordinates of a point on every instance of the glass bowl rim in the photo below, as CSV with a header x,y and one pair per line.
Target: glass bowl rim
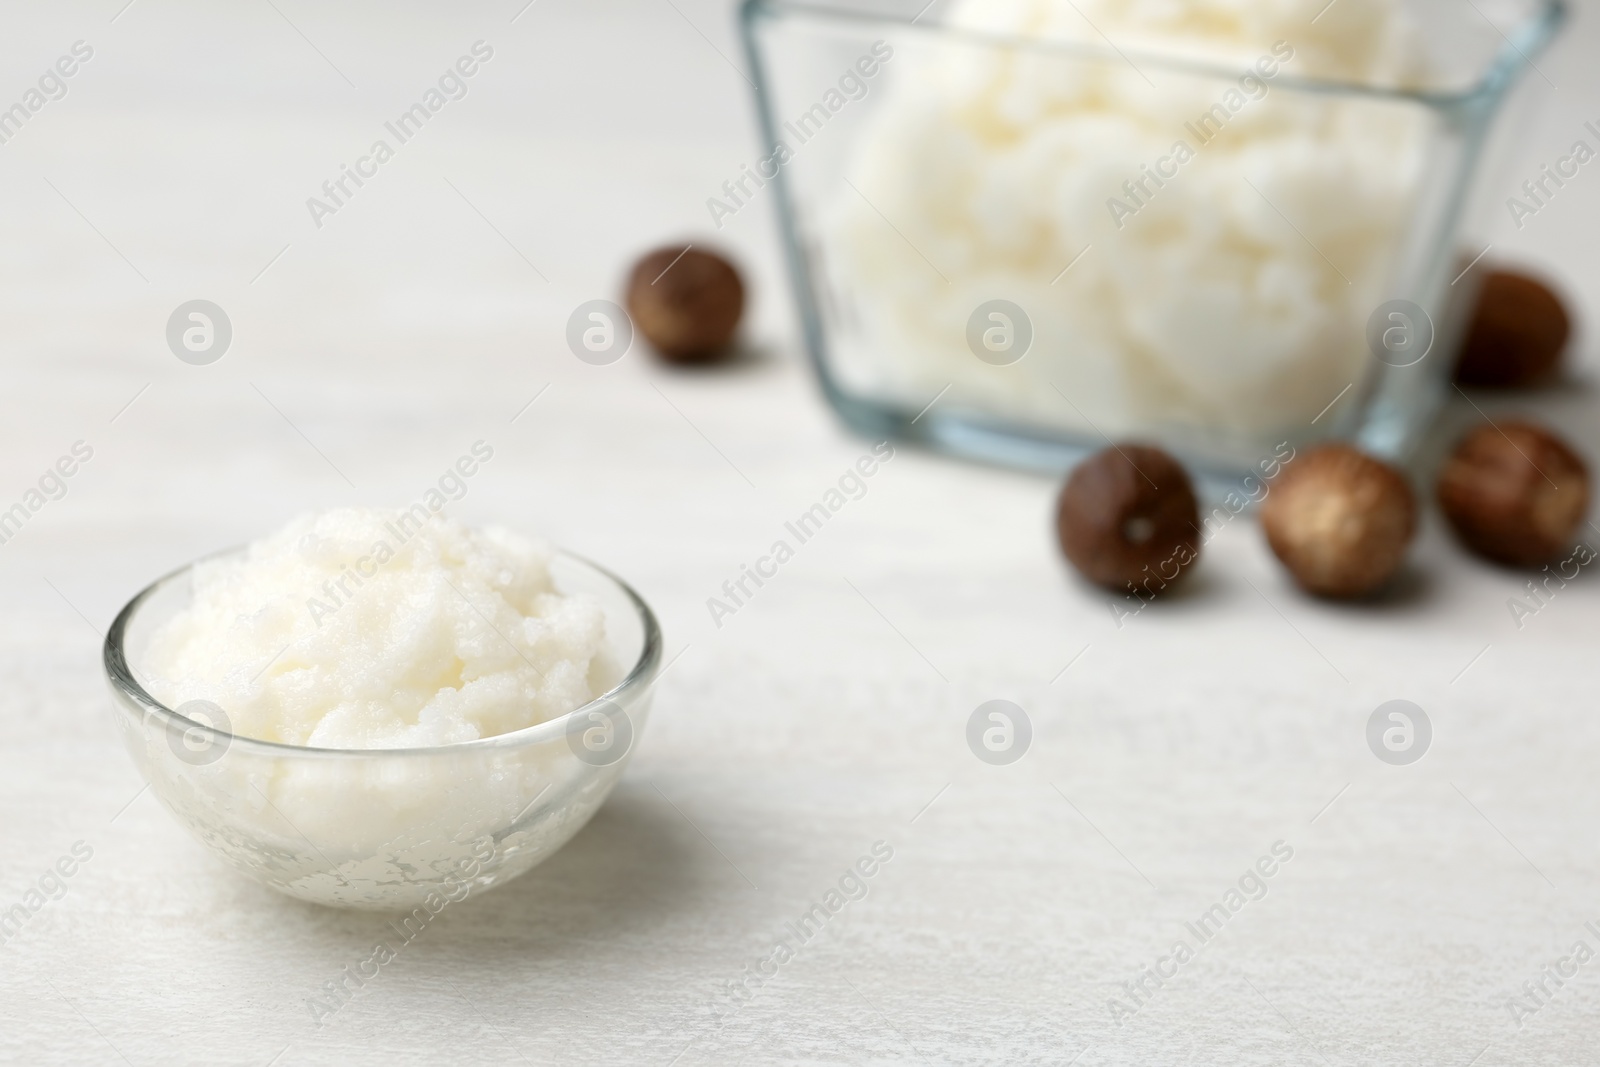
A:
x,y
1534,33
131,692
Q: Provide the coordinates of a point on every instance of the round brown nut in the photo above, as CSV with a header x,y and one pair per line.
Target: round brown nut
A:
x,y
1517,333
686,302
1127,516
1339,520
1515,493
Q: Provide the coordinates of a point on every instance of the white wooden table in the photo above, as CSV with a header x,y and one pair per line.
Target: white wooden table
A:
x,y
829,714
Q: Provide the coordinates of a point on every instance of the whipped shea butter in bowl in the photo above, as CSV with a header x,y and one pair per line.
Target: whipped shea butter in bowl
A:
x,y
384,709
1020,227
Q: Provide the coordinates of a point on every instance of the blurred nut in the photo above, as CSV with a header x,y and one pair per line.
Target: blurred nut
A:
x,y
686,302
1340,521
1128,516
1515,493
1517,333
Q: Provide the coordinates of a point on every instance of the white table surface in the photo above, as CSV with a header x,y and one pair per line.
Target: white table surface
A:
x,y
825,716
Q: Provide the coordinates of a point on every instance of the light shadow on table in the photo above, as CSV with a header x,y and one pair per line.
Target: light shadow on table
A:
x,y
633,867
1410,592
1198,585
740,357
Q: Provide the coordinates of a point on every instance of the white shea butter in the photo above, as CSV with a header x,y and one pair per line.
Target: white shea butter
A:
x,y
369,629
1225,303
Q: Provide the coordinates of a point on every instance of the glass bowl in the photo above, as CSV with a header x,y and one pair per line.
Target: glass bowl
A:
x,y
387,829
997,248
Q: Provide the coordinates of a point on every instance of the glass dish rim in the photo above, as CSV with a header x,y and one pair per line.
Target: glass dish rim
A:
x,y
131,693
1535,33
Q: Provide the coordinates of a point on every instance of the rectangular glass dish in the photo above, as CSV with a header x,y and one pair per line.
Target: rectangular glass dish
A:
x,y
1018,229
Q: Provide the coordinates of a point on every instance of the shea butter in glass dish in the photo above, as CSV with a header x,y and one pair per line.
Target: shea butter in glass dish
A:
x,y
366,710
1017,228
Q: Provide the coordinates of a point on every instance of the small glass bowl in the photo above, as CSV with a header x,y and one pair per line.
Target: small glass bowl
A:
x,y
388,829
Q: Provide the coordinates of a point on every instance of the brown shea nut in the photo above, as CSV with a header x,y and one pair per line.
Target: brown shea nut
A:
x,y
1515,493
687,303
1339,520
1127,517
1517,333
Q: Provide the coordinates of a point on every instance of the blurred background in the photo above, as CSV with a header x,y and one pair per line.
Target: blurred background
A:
x,y
429,312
